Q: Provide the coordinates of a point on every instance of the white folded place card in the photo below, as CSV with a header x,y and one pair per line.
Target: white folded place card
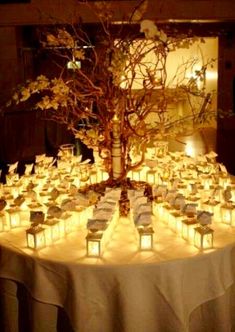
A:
x,y
13,167
223,168
68,204
204,217
113,194
138,201
103,213
106,205
146,207
160,190
211,155
170,195
97,224
81,200
28,169
39,158
54,211
73,189
201,159
19,200
143,219
190,208
36,217
54,193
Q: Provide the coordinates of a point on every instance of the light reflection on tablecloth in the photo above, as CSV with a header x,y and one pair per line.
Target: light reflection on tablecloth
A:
x,y
86,287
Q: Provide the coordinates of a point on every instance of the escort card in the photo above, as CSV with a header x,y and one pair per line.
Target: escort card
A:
x,y
37,217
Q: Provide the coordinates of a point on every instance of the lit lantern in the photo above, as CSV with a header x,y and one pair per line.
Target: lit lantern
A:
x,y
104,174
206,181
203,237
61,223
175,221
52,230
2,221
93,176
67,150
12,179
188,229
212,206
93,244
14,216
224,180
35,237
136,174
182,188
66,224
228,214
157,208
161,148
69,224
146,238
167,210
151,177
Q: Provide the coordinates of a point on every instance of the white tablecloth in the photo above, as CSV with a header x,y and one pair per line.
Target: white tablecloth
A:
x,y
127,290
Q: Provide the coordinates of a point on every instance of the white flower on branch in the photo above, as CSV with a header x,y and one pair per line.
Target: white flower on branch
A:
x,y
149,28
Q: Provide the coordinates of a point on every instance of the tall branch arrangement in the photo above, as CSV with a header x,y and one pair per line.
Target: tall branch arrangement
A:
x,y
120,69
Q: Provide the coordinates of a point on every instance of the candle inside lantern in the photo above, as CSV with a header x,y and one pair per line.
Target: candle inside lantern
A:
x,y
93,241
145,238
35,237
203,237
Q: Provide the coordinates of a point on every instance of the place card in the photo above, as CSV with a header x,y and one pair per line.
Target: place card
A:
x,y
12,167
28,169
54,211
143,219
204,217
37,217
97,224
19,200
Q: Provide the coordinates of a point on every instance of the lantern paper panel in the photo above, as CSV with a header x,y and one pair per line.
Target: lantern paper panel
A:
x,y
94,244
35,237
227,212
146,238
188,229
203,237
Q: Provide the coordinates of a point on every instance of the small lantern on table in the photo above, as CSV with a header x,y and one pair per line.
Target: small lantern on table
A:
x,y
228,213
35,236
3,204
146,238
227,209
190,222
203,236
93,244
14,219
52,230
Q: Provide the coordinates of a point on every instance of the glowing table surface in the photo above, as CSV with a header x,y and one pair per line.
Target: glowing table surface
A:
x,y
124,283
